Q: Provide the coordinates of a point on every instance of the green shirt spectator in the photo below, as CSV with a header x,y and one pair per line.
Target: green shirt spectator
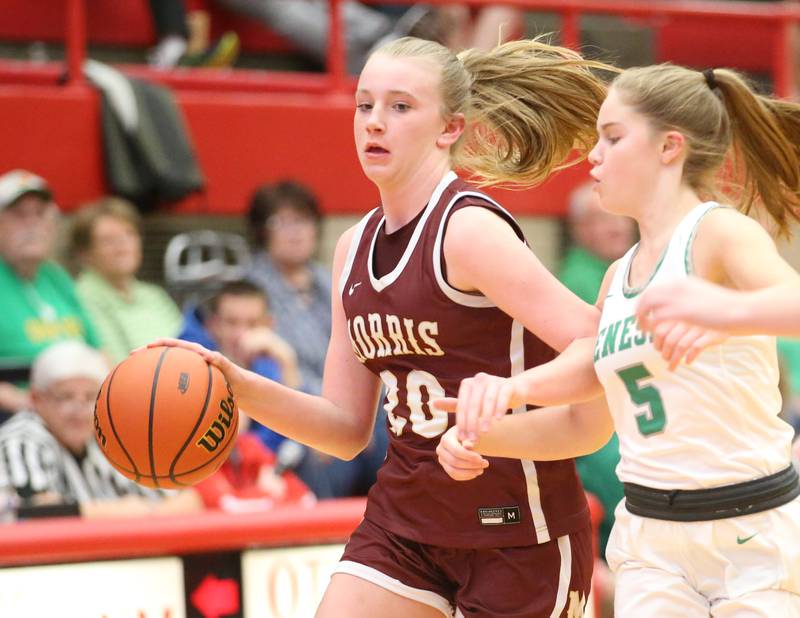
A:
x,y
40,306
128,321
582,272
598,475
790,351
38,312
129,313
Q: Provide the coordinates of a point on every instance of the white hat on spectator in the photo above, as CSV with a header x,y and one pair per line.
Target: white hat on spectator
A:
x,y
16,183
65,360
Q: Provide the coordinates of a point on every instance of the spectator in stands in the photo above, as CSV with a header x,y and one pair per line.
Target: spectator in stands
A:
x,y
480,27
286,222
184,41
128,313
597,239
305,24
251,479
48,455
789,354
39,301
236,321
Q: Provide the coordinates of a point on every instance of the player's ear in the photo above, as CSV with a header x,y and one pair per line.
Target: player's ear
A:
x,y
672,146
453,128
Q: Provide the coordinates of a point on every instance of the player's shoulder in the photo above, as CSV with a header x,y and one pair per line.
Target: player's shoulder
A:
x,y
475,214
724,224
347,244
473,197
605,285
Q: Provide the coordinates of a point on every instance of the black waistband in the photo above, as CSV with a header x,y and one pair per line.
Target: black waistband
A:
x,y
715,503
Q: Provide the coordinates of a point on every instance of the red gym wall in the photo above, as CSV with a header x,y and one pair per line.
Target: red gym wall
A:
x,y
246,137
242,140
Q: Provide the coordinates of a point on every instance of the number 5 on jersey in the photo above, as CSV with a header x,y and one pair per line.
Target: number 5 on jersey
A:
x,y
654,418
428,426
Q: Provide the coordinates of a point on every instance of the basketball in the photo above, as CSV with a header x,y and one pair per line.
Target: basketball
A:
x,y
165,418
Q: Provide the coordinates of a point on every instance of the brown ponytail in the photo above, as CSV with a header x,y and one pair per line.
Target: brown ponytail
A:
x,y
721,116
766,143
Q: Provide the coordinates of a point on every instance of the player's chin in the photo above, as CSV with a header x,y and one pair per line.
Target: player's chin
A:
x,y
376,171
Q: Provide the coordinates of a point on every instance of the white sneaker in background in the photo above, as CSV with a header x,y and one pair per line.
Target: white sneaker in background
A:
x,y
167,52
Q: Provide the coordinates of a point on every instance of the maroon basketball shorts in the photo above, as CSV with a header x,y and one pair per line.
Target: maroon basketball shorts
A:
x,y
547,580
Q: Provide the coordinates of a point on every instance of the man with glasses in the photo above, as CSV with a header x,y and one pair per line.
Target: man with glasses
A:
x,y
48,455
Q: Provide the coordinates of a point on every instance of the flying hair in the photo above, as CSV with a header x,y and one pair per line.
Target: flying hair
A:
x,y
530,107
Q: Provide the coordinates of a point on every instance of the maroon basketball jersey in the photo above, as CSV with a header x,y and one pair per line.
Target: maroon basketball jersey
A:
x,y
422,337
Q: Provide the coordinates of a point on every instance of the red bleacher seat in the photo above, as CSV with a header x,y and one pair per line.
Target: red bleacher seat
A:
x,y
123,23
693,41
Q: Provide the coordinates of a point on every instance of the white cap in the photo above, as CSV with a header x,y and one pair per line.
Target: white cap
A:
x,y
16,183
66,360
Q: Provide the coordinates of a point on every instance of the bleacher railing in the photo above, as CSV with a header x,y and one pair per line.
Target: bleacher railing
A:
x,y
782,17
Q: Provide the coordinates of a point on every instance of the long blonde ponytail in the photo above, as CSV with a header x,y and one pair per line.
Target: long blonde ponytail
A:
x,y
530,107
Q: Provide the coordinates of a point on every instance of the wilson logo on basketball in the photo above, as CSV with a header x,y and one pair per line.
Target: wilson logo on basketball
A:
x,y
101,437
183,383
215,434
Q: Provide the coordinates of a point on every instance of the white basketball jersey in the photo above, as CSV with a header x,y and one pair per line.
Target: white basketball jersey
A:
x,y
712,423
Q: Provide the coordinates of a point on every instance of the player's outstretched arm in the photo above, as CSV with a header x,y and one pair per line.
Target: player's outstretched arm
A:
x,y
339,422
743,286
569,378
545,434
771,311
484,398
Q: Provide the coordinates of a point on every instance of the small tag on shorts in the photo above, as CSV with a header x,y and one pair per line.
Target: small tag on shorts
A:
x,y
498,516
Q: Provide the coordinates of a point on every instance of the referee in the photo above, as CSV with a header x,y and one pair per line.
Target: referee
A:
x,y
48,455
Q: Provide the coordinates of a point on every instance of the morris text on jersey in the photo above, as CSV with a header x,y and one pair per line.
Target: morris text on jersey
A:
x,y
378,335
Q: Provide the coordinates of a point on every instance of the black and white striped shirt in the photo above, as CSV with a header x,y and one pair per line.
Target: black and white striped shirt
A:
x,y
33,462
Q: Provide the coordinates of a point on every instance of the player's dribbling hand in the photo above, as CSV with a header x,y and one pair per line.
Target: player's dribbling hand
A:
x,y
458,460
679,341
234,374
481,400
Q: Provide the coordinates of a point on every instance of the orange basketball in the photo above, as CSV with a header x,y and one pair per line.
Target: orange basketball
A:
x,y
166,418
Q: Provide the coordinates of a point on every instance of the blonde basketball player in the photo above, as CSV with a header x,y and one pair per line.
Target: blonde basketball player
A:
x,y
435,285
710,524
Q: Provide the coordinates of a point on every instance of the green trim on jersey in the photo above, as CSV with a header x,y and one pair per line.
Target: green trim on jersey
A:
x,y
631,292
687,256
